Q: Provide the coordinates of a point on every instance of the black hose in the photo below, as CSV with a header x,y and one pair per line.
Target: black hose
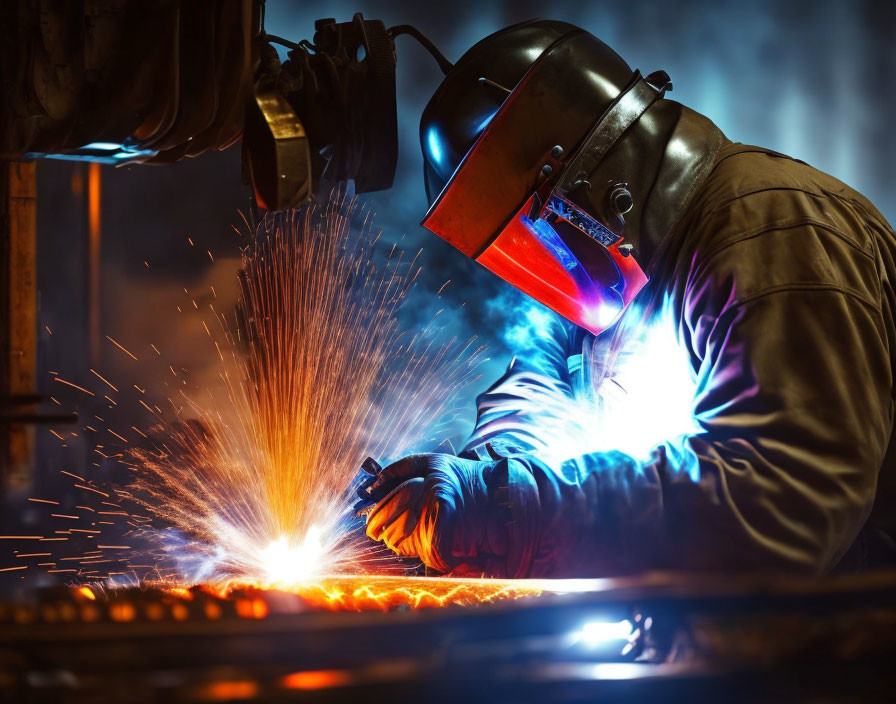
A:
x,y
444,63
274,39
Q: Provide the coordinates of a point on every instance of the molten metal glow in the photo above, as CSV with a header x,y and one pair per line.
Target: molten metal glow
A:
x,y
383,593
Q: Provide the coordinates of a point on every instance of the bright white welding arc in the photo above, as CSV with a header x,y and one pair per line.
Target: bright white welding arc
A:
x,y
284,564
651,397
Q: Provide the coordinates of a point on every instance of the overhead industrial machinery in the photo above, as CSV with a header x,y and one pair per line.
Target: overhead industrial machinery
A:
x,y
126,82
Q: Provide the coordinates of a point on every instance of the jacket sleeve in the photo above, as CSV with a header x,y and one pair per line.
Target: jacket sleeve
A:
x,y
794,399
515,414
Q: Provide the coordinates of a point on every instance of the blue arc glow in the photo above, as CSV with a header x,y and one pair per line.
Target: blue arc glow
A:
x,y
642,398
103,146
648,396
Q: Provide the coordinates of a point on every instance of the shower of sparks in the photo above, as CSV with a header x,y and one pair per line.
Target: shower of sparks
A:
x,y
318,375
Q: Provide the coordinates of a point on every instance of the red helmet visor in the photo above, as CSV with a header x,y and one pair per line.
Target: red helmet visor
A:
x,y
567,261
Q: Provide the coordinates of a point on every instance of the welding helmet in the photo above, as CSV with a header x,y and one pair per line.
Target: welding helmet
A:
x,y
514,142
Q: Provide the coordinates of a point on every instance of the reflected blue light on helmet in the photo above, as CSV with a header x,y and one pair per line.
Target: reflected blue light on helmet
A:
x,y
434,144
484,123
550,239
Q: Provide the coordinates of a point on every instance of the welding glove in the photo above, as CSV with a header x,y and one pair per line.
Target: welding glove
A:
x,y
441,509
513,517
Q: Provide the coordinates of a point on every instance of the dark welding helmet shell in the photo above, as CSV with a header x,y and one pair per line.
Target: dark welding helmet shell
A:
x,y
513,170
480,81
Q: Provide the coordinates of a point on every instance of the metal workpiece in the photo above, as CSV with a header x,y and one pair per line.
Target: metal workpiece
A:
x,y
673,638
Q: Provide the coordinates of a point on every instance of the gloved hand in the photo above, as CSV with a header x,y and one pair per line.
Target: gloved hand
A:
x,y
457,515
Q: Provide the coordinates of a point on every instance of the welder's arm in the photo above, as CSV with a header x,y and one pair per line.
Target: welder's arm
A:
x,y
508,413
794,400
794,397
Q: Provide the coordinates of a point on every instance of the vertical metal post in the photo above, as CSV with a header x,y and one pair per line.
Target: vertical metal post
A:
x,y
94,233
18,318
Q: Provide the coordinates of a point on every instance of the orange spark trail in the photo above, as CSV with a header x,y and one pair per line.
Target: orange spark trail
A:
x,y
74,386
119,346
103,379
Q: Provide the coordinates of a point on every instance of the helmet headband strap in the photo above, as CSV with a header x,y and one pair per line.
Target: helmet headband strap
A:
x,y
608,129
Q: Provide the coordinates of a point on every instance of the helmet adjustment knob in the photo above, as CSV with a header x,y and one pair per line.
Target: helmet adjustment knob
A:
x,y
621,200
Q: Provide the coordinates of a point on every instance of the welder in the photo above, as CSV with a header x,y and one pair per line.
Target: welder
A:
x,y
555,165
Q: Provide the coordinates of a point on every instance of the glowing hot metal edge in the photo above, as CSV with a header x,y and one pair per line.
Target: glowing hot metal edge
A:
x,y
384,593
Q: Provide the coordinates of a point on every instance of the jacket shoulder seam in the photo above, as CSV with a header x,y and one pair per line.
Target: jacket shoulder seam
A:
x,y
807,286
787,225
761,189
